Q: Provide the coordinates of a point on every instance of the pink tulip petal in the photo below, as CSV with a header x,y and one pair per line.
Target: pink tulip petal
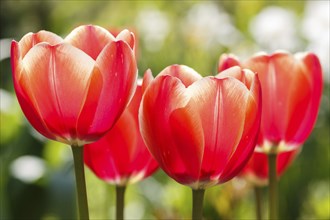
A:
x,y
156,106
121,156
222,122
187,134
235,72
141,160
288,86
56,76
118,70
249,137
226,61
159,114
147,79
304,99
186,74
31,39
124,143
90,38
86,116
134,104
110,156
273,109
245,75
27,103
127,37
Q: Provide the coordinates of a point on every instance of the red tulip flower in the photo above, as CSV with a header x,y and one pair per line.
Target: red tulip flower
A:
x,y
201,131
74,89
256,170
120,156
291,90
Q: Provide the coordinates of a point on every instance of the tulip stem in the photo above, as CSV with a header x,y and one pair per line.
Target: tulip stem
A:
x,y
258,194
120,197
198,198
272,177
78,158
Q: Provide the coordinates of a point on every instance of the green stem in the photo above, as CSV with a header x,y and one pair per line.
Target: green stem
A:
x,y
78,158
272,177
258,194
197,210
120,197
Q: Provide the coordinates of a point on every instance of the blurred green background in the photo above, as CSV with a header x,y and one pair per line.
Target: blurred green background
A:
x,y
37,180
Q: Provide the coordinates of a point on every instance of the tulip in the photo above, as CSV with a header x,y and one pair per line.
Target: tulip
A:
x,y
120,157
201,131
74,89
63,85
291,87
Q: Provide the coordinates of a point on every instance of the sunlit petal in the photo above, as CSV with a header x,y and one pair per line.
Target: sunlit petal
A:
x,y
305,98
127,37
186,74
222,122
57,81
90,38
31,39
226,61
164,119
118,70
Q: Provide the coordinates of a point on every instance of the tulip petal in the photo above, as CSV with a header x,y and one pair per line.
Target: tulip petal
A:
x,y
304,98
127,37
187,134
155,108
142,164
125,142
245,75
249,137
57,77
162,111
226,61
118,70
273,109
134,104
110,156
31,39
186,74
222,122
147,79
27,103
121,156
292,87
231,72
90,38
